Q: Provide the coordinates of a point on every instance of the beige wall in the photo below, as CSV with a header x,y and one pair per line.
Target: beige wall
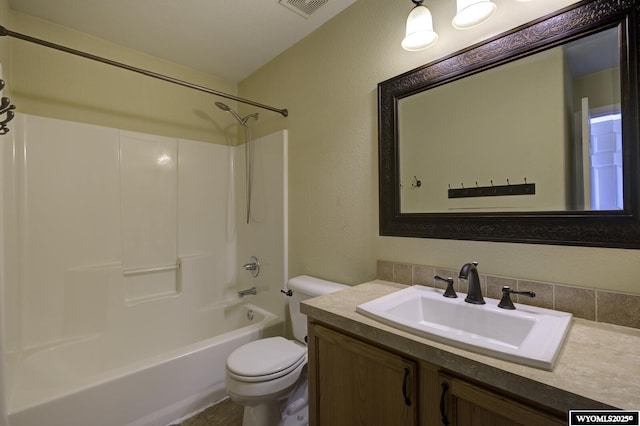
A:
x,y
329,83
55,84
602,88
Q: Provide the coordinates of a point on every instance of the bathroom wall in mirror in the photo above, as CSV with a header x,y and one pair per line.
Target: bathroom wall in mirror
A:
x,y
552,119
531,136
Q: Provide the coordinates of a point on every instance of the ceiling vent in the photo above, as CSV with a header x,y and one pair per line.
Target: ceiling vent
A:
x,y
304,8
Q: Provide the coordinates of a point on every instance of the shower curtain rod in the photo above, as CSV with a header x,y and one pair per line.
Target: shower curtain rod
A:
x,y
5,32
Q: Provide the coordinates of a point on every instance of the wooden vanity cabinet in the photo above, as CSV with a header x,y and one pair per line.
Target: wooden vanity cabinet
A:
x,y
353,383
465,403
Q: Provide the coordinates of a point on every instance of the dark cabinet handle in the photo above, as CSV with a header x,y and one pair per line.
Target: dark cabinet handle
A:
x,y
445,420
407,399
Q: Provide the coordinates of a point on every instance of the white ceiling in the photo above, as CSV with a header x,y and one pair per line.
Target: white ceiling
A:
x,y
226,38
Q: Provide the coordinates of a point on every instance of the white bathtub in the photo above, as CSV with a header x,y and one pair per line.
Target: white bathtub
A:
x,y
159,378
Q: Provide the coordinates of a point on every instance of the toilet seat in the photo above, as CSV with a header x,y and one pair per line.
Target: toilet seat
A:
x,y
265,359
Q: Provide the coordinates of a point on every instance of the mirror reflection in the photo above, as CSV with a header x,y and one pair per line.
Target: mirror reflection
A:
x,y
542,133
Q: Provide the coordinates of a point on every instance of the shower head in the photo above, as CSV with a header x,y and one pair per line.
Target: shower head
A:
x,y
226,108
223,107
242,121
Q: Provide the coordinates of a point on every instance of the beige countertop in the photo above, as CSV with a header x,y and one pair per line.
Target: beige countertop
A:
x,y
599,366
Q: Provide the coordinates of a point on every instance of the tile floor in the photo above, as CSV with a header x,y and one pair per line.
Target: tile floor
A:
x,y
225,413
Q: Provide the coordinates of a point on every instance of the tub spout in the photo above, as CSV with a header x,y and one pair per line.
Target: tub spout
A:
x,y
251,290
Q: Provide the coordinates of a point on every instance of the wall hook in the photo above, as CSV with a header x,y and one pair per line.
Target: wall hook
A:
x,y
493,190
5,108
8,118
417,183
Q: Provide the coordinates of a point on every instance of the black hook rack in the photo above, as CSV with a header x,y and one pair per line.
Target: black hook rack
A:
x,y
493,190
5,108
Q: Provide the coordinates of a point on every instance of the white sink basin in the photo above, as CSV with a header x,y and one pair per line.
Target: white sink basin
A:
x,y
528,335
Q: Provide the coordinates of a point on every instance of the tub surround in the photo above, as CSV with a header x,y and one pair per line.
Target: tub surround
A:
x,y
598,367
586,303
106,298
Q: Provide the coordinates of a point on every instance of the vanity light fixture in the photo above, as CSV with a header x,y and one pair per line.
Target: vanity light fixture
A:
x,y
472,12
420,34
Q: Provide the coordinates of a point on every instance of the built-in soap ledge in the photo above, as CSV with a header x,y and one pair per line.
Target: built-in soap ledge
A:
x,y
138,271
143,284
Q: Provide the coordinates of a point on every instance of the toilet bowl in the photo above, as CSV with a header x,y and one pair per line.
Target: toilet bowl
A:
x,y
268,376
264,369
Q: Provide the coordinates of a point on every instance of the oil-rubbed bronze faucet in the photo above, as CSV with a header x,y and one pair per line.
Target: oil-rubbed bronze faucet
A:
x,y
506,303
449,292
469,272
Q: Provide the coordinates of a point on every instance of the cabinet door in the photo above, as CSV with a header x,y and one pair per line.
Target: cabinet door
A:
x,y
465,404
430,395
352,383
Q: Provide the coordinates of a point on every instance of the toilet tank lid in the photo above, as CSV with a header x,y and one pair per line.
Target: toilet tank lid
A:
x,y
312,286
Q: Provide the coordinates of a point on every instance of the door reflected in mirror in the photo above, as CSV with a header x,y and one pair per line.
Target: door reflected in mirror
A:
x,y
542,133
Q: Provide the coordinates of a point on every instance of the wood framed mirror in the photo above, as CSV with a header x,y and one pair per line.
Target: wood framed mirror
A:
x,y
504,140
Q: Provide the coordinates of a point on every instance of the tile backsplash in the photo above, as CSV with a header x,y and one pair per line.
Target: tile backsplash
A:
x,y
588,303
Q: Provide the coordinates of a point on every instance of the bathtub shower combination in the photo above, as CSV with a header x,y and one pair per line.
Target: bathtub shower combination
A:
x,y
135,380
121,289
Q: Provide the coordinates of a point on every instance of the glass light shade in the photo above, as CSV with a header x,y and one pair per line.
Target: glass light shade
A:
x,y
420,34
472,12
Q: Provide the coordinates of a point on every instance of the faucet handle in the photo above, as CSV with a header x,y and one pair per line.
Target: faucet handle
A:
x,y
449,292
253,266
506,303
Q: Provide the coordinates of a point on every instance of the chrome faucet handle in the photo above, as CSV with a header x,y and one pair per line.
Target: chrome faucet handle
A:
x,y
506,303
449,292
253,266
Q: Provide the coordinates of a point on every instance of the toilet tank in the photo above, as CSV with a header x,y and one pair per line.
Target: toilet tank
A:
x,y
305,287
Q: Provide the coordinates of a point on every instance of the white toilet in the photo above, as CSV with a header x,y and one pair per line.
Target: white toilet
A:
x,y
268,376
